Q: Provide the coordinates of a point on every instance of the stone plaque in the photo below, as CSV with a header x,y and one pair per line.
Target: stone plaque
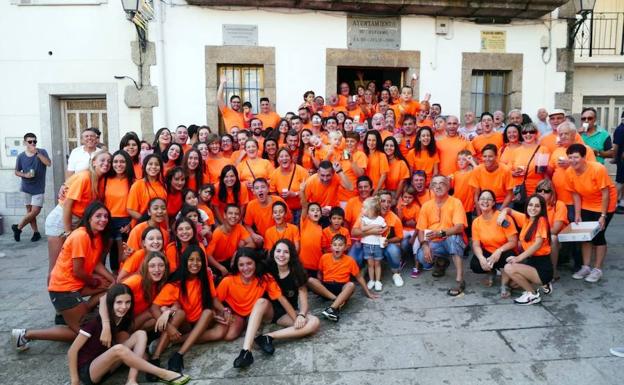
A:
x,y
364,32
14,200
493,41
240,34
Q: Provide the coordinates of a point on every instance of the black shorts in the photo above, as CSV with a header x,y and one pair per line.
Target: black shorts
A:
x,y
85,376
312,273
593,216
278,311
334,287
65,300
543,265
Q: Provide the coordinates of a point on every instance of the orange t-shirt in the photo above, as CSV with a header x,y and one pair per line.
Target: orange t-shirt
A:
x,y
80,192
138,170
432,217
174,203
135,282
223,245
353,210
589,184
323,194
173,257
401,109
495,138
116,197
211,218
134,238
338,270
462,189
328,234
132,264
558,212
271,119
272,235
261,217
520,158
343,100
142,192
79,244
550,141
357,111
490,234
423,161
541,231
242,297
398,171
213,167
559,178
505,155
310,250
232,118
251,169
280,181
243,198
406,144
191,303
499,181
448,148
360,159
377,165
408,213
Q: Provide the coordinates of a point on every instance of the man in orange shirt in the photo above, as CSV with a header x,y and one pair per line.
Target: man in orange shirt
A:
x,y
333,106
181,137
259,212
232,116
408,138
440,226
304,115
450,146
345,94
354,111
487,136
257,128
296,124
322,188
268,117
354,205
555,118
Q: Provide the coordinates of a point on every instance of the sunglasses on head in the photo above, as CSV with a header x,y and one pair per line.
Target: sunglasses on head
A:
x,y
543,190
31,141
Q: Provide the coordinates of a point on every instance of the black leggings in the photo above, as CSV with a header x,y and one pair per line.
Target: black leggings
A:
x,y
475,266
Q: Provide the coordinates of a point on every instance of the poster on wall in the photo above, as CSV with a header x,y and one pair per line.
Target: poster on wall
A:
x,y
493,41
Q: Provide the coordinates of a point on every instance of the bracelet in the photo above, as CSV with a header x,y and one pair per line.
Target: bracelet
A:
x,y
603,215
301,314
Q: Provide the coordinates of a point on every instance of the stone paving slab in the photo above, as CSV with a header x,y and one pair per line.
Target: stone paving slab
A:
x,y
412,335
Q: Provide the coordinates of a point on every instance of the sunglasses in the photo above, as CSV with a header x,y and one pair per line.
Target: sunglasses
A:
x,y
533,132
586,118
543,190
32,141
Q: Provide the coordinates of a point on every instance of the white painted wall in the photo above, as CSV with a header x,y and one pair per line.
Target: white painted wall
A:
x,y
596,81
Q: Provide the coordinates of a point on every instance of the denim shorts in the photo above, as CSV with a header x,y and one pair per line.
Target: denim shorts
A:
x,y
54,224
372,251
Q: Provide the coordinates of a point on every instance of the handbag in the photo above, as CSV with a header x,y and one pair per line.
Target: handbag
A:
x,y
520,192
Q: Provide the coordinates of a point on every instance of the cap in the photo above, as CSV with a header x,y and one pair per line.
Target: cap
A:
x,y
557,111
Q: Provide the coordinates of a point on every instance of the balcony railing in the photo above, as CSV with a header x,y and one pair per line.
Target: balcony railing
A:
x,y
602,33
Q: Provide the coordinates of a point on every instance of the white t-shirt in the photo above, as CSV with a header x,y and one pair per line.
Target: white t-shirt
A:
x,y
79,159
372,239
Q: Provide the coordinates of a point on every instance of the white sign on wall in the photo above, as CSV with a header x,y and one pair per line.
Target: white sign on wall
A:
x,y
240,34
364,32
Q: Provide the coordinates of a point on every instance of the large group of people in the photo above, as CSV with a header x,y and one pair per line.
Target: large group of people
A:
x,y
207,236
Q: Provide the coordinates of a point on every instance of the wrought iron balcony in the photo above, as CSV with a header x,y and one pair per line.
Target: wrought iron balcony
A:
x,y
601,34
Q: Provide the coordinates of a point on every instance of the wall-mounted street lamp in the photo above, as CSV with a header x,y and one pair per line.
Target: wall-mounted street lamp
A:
x,y
139,13
583,8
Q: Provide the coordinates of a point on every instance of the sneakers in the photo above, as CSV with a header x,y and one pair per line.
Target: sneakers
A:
x,y
547,288
16,233
244,359
378,286
415,272
528,298
19,340
396,278
265,343
331,314
594,276
617,351
36,236
176,362
370,284
583,272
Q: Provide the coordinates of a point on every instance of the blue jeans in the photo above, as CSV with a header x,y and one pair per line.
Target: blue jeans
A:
x,y
447,248
392,254
296,216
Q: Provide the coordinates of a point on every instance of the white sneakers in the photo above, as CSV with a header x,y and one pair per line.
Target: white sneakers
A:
x,y
19,340
396,278
378,286
370,284
588,274
528,298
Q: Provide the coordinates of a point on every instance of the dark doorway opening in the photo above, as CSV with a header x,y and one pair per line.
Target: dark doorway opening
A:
x,y
376,74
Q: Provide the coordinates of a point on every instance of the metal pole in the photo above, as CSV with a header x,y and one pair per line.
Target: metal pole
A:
x,y
591,34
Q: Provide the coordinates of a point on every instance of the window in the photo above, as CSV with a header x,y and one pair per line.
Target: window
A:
x,y
245,81
489,91
608,109
79,114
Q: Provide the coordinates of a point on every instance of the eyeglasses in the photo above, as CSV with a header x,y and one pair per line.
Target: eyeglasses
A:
x,y
543,190
532,132
31,141
485,199
586,118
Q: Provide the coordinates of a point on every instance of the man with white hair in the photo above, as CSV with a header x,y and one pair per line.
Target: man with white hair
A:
x,y
542,122
499,121
515,117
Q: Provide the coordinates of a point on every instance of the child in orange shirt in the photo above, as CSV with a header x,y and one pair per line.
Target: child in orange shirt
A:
x,y
203,231
206,195
460,183
281,229
203,317
152,241
335,272
226,239
407,211
336,222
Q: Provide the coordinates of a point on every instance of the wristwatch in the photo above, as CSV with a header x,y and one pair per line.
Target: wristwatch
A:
x,y
442,233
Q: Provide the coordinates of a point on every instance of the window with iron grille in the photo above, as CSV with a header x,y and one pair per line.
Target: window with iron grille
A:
x,y
489,91
246,81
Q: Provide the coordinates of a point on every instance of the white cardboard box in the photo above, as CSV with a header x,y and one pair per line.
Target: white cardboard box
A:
x,y
583,231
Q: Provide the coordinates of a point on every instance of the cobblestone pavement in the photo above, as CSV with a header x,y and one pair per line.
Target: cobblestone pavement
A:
x,y
411,335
